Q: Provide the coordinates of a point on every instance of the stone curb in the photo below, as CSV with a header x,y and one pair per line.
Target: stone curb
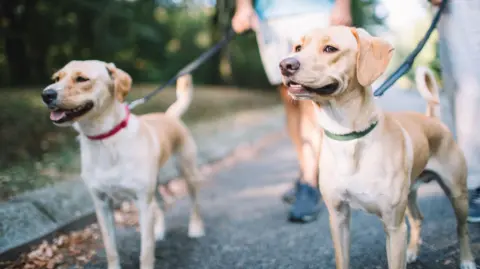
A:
x,y
38,215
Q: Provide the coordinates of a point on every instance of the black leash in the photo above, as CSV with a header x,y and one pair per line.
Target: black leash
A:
x,y
187,69
408,63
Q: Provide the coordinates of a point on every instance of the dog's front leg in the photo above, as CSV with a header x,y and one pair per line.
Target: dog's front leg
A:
x,y
340,229
396,230
104,211
146,207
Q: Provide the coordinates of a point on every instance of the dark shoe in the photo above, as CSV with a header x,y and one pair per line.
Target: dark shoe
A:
x,y
474,207
306,206
289,196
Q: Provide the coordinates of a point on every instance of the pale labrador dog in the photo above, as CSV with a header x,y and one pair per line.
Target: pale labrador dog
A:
x,y
121,153
371,159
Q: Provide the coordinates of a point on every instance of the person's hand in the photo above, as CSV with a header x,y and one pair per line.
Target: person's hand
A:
x,y
435,2
341,14
244,19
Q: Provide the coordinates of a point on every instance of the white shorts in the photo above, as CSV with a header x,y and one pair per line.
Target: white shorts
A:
x,y
276,37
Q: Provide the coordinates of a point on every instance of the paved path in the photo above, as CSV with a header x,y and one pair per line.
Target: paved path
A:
x,y
246,226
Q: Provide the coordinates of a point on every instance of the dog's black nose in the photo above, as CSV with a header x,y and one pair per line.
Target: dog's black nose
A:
x,y
289,66
49,96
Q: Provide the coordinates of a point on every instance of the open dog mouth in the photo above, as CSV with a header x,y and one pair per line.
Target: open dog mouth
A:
x,y
296,88
59,115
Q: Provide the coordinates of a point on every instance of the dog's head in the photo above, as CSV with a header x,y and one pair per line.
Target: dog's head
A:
x,y
331,61
82,89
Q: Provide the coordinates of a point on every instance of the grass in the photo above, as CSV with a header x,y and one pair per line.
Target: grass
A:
x,y
35,153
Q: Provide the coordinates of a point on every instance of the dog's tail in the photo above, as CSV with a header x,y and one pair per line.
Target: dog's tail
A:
x,y
184,96
428,88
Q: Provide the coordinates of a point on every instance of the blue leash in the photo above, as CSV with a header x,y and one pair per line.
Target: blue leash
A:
x,y
408,63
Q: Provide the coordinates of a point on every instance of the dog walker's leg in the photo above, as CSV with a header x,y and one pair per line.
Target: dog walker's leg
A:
x,y
146,207
415,218
311,140
104,211
340,229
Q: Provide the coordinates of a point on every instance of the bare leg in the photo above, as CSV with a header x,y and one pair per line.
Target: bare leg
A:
x,y
293,113
311,139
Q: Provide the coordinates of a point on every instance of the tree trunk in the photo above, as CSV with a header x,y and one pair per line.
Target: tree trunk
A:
x,y
15,45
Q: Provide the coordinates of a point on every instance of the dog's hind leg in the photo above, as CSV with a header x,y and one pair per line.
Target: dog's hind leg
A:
x,y
452,178
415,219
104,211
187,164
159,206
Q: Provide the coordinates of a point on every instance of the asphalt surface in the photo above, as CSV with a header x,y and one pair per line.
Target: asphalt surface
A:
x,y
246,226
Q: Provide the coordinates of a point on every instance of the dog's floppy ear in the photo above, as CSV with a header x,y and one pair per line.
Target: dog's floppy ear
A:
x,y
373,56
121,80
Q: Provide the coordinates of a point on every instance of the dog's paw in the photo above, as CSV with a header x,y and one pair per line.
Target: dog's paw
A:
x,y
159,235
114,266
159,230
196,229
411,256
468,265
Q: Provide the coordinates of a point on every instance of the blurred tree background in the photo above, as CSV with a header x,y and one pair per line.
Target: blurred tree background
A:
x,y
150,39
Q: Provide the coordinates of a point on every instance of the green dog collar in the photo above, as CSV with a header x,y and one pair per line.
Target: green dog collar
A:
x,y
352,135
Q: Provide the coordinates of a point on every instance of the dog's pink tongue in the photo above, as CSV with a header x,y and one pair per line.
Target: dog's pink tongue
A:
x,y
56,115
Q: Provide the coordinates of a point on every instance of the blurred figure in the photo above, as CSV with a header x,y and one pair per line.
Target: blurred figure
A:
x,y
459,32
278,24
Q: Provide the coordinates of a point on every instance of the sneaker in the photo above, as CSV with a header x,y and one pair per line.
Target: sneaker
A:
x,y
289,196
306,206
474,206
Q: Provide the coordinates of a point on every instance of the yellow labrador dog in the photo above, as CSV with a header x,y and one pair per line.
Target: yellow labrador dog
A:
x,y
371,159
122,153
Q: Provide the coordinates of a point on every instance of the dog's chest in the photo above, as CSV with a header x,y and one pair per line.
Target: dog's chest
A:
x,y
367,195
115,170
347,176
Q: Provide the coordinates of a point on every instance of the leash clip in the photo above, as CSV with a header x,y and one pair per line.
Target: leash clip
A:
x,y
135,103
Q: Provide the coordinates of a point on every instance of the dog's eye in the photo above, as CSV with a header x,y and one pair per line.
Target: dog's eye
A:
x,y
81,79
329,49
56,79
298,48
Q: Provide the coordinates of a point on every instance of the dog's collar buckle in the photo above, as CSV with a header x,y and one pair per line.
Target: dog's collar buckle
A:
x,y
352,135
115,129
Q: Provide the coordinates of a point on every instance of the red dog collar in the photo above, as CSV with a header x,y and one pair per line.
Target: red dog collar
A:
x,y
115,129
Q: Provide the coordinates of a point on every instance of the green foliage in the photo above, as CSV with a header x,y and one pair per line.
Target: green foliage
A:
x,y
406,41
150,39
139,36
363,13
